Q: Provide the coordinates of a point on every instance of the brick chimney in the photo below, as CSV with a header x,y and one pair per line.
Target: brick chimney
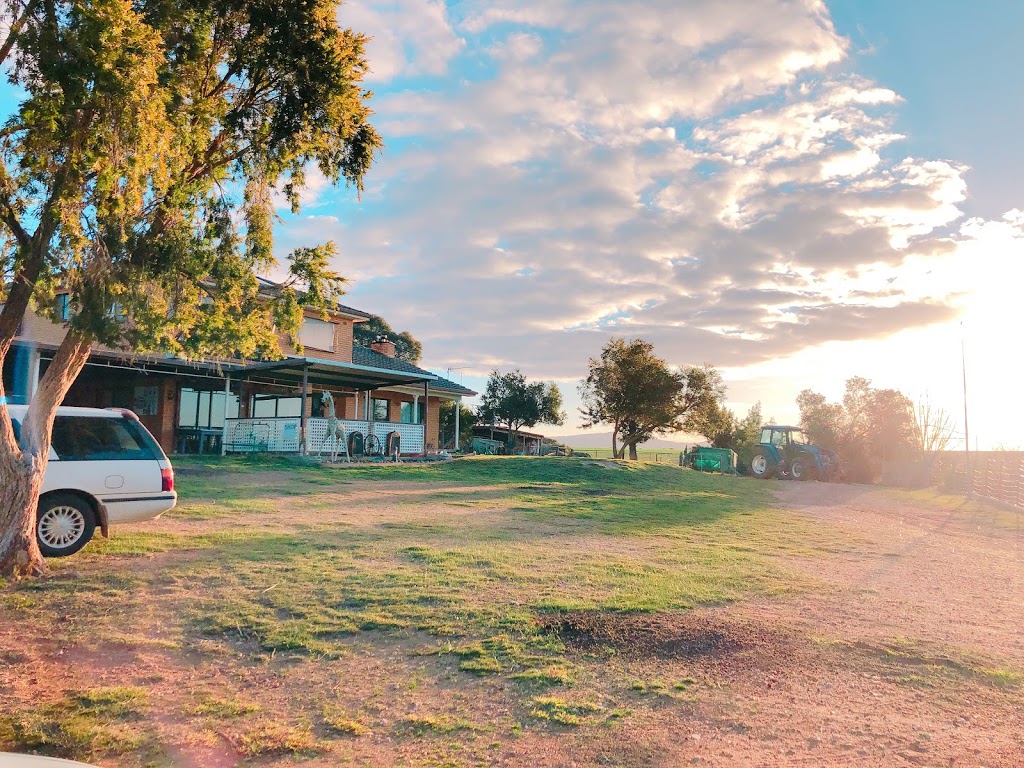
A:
x,y
383,345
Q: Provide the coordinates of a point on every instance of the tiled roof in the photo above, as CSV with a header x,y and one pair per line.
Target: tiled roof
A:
x,y
366,356
270,285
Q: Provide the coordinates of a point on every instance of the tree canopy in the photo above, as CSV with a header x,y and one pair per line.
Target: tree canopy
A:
x,y
140,173
869,428
406,346
512,401
640,395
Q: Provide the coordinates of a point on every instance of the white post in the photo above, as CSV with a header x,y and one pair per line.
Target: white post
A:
x,y
458,412
224,429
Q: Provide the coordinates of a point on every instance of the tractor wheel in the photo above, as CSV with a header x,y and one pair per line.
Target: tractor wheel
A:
x,y
801,471
762,464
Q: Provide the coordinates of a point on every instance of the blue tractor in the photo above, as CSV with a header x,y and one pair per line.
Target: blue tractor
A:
x,y
786,453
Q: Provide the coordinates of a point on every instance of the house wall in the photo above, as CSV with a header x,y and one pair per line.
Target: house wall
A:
x,y
342,339
104,388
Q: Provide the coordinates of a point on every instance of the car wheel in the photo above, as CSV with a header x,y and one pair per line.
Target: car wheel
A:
x,y
762,465
64,524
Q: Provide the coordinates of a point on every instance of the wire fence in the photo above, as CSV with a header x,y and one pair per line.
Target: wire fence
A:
x,y
996,475
661,457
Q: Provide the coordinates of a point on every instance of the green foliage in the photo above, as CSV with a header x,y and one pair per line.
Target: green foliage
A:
x,y
467,418
406,346
139,125
869,428
638,393
510,400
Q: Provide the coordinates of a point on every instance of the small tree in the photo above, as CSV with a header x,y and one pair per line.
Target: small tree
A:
x,y
139,173
709,416
406,346
935,427
511,401
636,392
467,418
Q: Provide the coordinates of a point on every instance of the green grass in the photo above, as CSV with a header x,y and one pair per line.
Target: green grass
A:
x,y
571,535
90,724
552,535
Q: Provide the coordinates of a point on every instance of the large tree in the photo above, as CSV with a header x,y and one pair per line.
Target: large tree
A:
x,y
640,395
868,429
512,401
139,172
406,346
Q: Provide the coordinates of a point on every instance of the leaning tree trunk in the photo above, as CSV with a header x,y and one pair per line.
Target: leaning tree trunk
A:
x,y
22,470
19,551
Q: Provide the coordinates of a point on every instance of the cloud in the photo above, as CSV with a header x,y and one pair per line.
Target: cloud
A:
x,y
707,175
407,37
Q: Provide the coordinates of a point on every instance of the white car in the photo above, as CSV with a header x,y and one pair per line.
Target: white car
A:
x,y
10,760
105,468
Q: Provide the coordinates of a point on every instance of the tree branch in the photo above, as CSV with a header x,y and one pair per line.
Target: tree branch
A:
x,y
15,29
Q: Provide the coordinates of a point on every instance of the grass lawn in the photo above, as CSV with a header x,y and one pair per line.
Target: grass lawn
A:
x,y
437,614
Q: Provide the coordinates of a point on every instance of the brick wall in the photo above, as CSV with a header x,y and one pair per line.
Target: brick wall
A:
x,y
342,340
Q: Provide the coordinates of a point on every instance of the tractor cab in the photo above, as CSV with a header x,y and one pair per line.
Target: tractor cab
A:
x,y
785,451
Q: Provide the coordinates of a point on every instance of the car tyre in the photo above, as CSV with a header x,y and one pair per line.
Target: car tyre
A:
x,y
762,465
64,524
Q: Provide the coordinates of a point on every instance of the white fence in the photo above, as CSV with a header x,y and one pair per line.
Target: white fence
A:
x,y
281,435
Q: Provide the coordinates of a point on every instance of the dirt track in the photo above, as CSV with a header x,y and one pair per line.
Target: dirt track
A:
x,y
930,593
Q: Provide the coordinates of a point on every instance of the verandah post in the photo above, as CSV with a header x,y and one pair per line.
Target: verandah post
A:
x,y
302,412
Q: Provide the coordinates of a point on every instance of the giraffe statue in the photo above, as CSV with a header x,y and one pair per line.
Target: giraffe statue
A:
x,y
335,431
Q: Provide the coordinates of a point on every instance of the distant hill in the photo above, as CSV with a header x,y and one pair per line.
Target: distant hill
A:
x,y
604,440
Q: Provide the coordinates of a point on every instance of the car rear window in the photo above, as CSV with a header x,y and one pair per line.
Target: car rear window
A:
x,y
78,438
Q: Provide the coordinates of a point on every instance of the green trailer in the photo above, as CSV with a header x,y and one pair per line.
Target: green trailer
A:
x,y
713,460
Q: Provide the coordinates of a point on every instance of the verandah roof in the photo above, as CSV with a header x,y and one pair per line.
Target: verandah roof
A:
x,y
293,370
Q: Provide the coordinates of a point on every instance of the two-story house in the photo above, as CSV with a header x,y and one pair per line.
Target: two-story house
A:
x,y
240,406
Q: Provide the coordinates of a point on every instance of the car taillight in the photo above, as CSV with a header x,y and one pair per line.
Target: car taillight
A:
x,y
167,480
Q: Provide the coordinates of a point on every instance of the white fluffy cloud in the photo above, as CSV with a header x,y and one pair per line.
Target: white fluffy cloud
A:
x,y
705,174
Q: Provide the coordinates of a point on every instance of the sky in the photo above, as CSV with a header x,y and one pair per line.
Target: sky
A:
x,y
794,191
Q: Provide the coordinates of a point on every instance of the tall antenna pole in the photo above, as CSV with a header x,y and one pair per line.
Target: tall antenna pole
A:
x,y
967,433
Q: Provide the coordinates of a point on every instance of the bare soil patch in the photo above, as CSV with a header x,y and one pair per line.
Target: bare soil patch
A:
x,y
691,635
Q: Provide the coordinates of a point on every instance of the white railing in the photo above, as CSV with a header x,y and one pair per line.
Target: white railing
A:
x,y
275,435
281,435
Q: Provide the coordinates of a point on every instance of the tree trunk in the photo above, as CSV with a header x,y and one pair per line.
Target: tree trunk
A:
x,y
19,551
615,443
632,452
22,468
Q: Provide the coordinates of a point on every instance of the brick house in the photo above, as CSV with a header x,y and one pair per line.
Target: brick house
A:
x,y
243,406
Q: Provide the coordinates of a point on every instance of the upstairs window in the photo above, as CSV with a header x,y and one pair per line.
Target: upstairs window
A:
x,y
64,312
317,334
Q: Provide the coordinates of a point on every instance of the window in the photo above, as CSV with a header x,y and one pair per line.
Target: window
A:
x,y
405,414
317,334
64,312
205,409
270,407
99,439
380,409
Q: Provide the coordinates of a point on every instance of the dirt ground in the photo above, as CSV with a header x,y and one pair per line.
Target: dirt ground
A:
x,y
908,651
928,587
